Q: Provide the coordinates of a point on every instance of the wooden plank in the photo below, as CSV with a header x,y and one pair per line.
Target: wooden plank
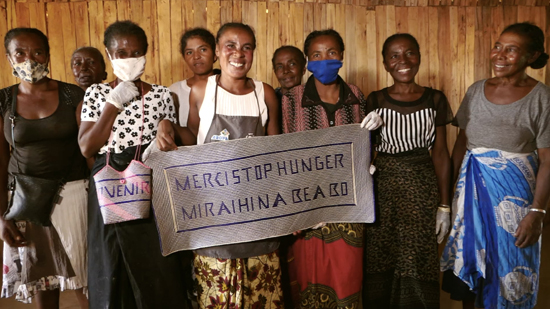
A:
x,y
251,18
510,15
135,11
37,16
433,46
226,12
123,9
444,48
176,30
319,17
165,38
272,39
79,15
284,27
483,43
200,16
362,46
6,79
469,73
309,26
22,13
353,54
390,30
149,23
402,19
381,35
213,22
237,11
296,29
263,67
55,27
69,41
422,36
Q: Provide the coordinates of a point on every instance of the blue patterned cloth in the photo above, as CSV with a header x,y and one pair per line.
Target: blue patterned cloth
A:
x,y
493,194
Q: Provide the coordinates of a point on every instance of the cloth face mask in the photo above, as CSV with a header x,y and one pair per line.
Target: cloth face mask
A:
x,y
128,69
325,71
30,70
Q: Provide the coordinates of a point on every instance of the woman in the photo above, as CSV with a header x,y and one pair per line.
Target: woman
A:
x,y
411,188
38,260
494,246
197,47
88,67
244,107
126,267
334,277
289,65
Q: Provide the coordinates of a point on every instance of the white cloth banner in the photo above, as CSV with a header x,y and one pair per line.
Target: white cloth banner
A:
x,y
262,187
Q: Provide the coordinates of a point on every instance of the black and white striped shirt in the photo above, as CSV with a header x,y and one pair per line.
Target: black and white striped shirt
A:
x,y
409,125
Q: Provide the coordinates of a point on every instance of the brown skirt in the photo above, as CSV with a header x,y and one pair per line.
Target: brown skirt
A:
x,y
401,259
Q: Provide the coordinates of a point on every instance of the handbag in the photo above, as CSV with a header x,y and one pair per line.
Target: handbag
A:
x,y
124,195
32,198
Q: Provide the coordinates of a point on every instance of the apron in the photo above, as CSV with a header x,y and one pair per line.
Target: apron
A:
x,y
222,128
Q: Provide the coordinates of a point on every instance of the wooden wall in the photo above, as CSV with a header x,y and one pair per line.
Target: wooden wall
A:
x,y
455,36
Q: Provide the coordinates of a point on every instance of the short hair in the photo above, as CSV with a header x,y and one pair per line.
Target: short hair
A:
x,y
291,48
18,31
396,36
535,38
125,27
202,33
93,50
232,25
317,33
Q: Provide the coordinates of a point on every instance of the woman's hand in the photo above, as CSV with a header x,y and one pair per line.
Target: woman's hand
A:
x,y
165,136
10,234
372,121
442,223
123,93
529,229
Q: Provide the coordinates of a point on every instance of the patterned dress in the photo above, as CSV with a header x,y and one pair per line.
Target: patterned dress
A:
x,y
401,269
325,264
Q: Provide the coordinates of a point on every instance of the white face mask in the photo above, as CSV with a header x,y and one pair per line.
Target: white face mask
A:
x,y
129,69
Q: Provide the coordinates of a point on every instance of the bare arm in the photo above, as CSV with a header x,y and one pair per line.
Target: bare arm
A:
x,y
272,125
459,150
442,164
196,96
93,135
8,231
530,227
91,160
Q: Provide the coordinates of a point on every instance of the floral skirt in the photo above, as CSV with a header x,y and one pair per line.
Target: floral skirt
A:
x,y
55,257
253,282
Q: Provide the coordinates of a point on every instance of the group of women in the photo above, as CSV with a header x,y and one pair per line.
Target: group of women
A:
x,y
500,158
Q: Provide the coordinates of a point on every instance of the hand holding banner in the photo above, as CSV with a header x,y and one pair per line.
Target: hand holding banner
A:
x,y
262,187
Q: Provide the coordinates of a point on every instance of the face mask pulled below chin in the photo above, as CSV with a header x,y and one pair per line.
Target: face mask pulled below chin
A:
x,y
30,70
128,69
325,71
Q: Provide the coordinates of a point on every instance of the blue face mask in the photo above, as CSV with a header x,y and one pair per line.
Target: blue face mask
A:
x,y
325,71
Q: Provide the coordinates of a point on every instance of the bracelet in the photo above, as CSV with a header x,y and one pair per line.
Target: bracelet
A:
x,y
445,206
538,210
444,209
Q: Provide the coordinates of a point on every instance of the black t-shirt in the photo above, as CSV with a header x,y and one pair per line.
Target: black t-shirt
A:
x,y
46,147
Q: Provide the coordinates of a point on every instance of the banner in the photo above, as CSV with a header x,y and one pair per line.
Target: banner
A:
x,y
261,187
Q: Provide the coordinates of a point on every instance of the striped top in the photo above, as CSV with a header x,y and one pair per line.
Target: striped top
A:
x,y
409,125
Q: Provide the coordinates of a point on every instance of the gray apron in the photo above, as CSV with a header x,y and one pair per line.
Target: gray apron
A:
x,y
225,127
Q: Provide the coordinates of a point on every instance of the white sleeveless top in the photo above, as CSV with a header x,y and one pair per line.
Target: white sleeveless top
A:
x,y
182,90
230,105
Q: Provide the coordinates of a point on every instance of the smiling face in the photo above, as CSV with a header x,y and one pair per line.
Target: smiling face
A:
x,y
289,68
235,50
88,67
199,56
126,46
324,47
27,46
402,60
510,56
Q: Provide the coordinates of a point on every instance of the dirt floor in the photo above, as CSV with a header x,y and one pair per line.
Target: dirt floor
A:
x,y
69,301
